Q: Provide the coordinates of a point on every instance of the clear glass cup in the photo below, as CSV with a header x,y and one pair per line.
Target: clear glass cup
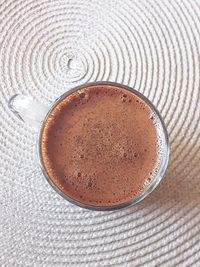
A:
x,y
36,114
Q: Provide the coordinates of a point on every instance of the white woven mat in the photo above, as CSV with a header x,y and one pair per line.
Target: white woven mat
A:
x,y
46,47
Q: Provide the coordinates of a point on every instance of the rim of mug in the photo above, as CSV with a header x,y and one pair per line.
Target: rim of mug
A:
x,y
147,190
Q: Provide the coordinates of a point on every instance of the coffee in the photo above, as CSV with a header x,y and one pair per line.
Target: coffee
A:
x,y
100,145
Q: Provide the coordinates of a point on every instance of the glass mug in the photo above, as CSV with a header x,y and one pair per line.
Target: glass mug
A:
x,y
36,114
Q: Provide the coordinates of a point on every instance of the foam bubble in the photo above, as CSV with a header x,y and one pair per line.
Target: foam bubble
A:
x,y
82,95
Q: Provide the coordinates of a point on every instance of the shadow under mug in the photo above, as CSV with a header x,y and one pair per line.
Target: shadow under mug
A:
x,y
36,114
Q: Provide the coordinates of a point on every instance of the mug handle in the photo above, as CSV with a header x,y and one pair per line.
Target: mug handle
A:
x,y
28,110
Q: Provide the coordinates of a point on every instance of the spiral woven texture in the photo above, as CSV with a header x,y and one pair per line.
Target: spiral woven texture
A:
x,y
47,47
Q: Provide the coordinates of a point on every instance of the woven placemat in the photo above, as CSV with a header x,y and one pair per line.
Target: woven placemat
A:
x,y
47,47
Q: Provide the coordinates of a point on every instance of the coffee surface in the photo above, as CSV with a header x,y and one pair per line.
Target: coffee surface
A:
x,y
100,145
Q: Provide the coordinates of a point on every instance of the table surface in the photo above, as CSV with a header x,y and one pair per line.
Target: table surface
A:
x,y
48,47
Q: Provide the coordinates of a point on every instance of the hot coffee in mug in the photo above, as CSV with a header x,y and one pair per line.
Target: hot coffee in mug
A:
x,y
102,146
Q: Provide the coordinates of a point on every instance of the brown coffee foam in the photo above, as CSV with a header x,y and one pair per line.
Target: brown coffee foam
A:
x,y
100,145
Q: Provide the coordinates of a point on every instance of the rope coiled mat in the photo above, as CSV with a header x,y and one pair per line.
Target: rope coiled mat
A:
x,y
47,47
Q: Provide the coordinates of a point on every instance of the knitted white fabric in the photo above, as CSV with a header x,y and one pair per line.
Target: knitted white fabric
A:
x,y
49,46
